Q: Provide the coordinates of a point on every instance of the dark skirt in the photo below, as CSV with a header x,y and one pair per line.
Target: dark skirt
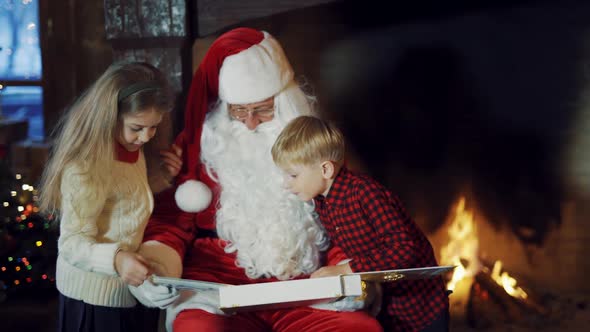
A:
x,y
77,316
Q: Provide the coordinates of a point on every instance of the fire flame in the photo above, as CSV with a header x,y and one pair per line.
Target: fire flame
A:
x,y
462,247
462,251
506,281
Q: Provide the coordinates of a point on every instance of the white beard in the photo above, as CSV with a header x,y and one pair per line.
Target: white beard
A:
x,y
272,231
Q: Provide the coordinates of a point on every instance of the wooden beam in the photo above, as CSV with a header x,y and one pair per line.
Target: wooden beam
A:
x,y
213,15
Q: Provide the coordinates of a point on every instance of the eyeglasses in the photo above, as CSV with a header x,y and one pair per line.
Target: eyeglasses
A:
x,y
263,111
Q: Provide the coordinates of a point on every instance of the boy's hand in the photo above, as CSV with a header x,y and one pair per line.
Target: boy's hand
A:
x,y
131,267
171,160
330,271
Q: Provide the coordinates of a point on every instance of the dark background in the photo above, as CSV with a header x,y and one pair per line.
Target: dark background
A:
x,y
438,99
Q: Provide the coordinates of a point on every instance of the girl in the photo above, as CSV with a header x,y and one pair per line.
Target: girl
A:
x,y
97,179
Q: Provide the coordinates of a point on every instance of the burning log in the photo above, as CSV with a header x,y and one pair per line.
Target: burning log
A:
x,y
489,303
482,311
492,297
522,297
534,306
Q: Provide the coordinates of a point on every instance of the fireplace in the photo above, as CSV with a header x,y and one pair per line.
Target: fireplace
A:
x,y
501,282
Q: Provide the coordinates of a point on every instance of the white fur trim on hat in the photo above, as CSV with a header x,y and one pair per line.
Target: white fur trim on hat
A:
x,y
255,74
193,196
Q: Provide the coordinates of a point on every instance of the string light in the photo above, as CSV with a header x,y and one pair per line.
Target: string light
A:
x,y
20,218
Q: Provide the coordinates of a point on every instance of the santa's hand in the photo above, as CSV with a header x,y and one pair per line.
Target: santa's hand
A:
x,y
349,303
172,160
330,271
369,301
154,296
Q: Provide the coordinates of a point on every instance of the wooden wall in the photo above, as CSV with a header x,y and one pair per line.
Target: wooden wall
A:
x,y
75,52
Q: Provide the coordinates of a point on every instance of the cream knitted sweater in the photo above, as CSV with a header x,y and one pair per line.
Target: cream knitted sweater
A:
x,y
93,229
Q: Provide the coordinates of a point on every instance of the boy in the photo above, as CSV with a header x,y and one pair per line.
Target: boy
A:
x,y
364,219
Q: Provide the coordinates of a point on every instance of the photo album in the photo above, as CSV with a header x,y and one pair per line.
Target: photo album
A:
x,y
281,294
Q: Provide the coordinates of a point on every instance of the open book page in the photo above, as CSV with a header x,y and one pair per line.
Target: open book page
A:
x,y
408,274
375,276
186,283
277,294
282,294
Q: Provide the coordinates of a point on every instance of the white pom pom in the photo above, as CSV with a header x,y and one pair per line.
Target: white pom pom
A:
x,y
193,196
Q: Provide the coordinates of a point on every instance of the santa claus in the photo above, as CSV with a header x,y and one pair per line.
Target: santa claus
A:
x,y
228,218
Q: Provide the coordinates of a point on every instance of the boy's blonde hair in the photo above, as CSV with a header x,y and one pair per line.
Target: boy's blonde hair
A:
x,y
307,140
86,134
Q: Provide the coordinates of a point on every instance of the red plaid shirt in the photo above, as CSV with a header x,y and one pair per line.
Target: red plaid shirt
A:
x,y
374,230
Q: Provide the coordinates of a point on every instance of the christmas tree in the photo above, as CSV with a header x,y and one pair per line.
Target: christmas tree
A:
x,y
28,240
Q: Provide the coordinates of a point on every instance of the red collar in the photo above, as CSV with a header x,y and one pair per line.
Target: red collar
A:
x,y
124,155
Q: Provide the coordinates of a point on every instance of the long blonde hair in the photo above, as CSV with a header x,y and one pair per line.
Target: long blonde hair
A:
x,y
86,134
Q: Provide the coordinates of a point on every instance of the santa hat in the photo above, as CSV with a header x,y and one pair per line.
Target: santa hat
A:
x,y
242,66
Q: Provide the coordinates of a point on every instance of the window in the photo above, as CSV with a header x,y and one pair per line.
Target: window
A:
x,y
21,91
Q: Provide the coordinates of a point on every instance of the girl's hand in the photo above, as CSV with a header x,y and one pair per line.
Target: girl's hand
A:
x,y
171,160
131,267
330,271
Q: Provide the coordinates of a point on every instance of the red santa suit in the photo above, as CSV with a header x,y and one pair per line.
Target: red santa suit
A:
x,y
228,219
